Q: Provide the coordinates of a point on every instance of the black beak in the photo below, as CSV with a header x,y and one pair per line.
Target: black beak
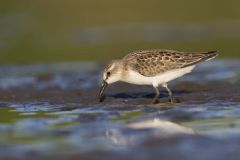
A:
x,y
103,88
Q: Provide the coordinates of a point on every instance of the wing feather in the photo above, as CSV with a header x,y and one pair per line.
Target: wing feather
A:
x,y
153,62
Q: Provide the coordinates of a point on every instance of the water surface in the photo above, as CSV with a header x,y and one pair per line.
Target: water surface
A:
x,y
51,111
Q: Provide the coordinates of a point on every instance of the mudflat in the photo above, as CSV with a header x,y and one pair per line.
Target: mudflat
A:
x,y
52,111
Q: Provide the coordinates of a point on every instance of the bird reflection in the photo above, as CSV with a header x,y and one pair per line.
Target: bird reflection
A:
x,y
137,132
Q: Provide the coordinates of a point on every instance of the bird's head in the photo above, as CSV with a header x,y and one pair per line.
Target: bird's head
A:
x,y
111,74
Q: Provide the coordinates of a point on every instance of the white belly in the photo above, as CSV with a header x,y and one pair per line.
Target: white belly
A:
x,y
136,78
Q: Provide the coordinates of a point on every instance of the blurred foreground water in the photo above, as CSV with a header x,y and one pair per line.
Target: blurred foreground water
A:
x,y
50,111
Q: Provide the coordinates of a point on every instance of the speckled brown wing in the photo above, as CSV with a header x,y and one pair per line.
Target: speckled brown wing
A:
x,y
153,62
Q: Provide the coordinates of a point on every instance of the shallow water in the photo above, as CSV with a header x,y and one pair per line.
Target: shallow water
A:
x,y
51,111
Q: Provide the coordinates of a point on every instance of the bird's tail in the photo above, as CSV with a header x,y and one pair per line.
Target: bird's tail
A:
x,y
210,55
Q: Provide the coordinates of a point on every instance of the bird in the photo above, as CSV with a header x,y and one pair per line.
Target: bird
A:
x,y
155,67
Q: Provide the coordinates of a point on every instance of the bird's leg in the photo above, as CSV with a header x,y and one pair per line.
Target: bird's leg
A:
x,y
169,92
155,99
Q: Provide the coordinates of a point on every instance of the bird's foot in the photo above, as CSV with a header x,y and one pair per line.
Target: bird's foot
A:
x,y
155,101
173,100
102,98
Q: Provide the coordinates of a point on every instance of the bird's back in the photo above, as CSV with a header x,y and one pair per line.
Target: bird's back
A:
x,y
150,63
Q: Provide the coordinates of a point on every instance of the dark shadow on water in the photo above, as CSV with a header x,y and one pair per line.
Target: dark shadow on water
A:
x,y
131,95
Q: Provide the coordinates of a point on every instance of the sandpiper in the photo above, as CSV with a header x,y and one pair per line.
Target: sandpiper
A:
x,y
152,67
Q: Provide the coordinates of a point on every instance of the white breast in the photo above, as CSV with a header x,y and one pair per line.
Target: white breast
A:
x,y
136,78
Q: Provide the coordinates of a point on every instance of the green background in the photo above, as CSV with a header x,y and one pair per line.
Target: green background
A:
x,y
98,30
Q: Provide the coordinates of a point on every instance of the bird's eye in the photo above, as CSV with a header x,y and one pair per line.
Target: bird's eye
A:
x,y
108,74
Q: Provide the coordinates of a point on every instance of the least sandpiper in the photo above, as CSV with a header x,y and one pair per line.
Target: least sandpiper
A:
x,y
152,67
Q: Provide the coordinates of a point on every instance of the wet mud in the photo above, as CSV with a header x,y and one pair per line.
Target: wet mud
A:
x,y
51,111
